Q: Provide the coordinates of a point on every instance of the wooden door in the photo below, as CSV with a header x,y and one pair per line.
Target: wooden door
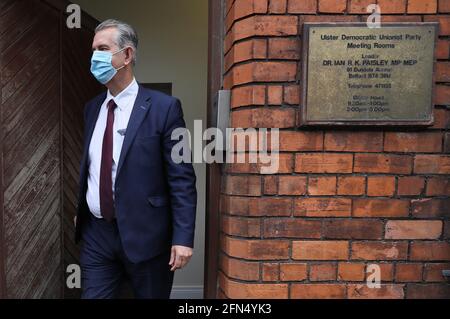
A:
x,y
30,145
44,82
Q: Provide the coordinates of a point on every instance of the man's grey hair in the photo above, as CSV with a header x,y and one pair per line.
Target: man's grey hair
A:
x,y
126,35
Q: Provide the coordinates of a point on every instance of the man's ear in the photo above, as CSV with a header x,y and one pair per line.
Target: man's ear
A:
x,y
128,55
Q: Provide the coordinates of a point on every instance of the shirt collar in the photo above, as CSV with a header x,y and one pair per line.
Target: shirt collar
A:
x,y
122,99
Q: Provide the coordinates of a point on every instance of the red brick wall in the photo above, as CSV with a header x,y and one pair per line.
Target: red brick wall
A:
x,y
342,199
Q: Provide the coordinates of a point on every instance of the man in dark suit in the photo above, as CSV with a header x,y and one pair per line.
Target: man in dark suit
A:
x,y
137,204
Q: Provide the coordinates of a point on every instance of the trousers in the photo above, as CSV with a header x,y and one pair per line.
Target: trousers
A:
x,y
105,266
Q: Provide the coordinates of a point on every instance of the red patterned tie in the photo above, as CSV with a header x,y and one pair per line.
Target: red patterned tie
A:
x,y
106,193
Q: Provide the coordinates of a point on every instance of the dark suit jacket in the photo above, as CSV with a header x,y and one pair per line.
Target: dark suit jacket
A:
x,y
155,198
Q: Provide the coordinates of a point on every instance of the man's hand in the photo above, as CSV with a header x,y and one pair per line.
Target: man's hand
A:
x,y
179,257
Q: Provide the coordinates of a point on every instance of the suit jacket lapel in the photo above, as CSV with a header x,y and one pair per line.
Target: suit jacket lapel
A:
x,y
141,107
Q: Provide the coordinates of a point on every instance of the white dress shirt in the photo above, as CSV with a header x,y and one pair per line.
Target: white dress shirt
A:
x,y
125,102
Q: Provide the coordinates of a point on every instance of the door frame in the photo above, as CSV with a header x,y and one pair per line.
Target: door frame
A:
x,y
213,171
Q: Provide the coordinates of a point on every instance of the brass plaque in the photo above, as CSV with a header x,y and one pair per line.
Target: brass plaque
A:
x,y
355,75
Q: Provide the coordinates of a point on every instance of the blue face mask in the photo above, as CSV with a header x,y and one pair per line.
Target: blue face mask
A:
x,y
101,66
